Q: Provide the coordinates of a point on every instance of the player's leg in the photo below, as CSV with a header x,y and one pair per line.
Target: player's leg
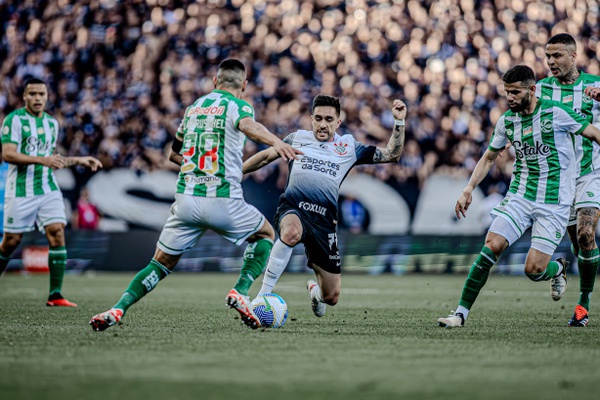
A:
x,y
10,242
588,258
57,262
144,281
19,217
51,216
546,234
321,247
180,233
290,234
255,257
495,245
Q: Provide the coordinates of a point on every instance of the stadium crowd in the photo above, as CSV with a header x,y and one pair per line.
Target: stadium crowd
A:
x,y
121,73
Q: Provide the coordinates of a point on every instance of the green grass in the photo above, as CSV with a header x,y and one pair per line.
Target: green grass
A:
x,y
380,342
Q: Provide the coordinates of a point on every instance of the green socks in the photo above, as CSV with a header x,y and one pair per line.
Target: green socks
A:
x,y
141,284
480,270
587,261
551,270
255,260
57,261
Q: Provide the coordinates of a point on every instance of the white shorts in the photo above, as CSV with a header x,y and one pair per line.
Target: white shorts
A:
x,y
22,214
587,194
548,222
233,219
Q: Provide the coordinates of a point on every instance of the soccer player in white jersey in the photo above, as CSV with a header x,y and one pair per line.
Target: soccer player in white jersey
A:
x,y
307,210
541,190
32,196
208,148
571,87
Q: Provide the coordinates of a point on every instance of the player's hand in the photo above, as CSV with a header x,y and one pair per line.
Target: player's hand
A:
x,y
286,151
592,92
90,162
399,109
463,202
55,161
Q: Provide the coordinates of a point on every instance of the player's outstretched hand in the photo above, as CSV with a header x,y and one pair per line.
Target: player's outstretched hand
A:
x,y
55,161
463,203
90,162
286,151
399,109
592,92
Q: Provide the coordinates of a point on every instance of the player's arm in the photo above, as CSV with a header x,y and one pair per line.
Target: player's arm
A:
x,y
395,146
481,170
257,132
592,133
259,160
12,155
174,155
87,161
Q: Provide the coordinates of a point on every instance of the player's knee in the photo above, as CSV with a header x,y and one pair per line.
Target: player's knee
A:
x,y
55,234
331,298
534,268
291,236
10,243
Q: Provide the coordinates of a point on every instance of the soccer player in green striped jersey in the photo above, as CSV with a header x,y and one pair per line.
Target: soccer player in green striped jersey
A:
x,y
568,86
32,196
208,148
541,190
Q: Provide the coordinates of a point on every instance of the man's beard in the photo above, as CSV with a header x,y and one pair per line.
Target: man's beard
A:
x,y
524,105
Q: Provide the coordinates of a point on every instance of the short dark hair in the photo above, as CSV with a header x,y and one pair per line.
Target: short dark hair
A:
x,y
32,81
563,38
519,73
231,73
322,100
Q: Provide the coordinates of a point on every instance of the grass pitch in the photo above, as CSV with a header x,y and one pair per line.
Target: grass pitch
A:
x,y
380,342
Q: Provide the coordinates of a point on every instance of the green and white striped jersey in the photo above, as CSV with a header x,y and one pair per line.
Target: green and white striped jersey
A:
x,y
213,146
34,137
587,151
545,167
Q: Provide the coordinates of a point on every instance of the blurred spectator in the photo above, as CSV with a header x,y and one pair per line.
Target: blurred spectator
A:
x,y
85,216
353,215
121,72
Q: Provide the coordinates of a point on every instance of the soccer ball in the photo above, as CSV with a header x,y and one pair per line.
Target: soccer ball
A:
x,y
271,310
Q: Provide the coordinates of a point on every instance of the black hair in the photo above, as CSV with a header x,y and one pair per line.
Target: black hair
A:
x,y
32,81
322,100
519,73
231,64
562,38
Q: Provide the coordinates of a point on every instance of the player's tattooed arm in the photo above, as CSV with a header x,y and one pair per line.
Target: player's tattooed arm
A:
x,y
395,146
87,161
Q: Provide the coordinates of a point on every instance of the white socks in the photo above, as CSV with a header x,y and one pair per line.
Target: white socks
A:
x,y
278,260
463,311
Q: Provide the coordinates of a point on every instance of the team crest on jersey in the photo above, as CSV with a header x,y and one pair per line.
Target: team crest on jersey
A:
x,y
25,128
546,125
341,148
567,99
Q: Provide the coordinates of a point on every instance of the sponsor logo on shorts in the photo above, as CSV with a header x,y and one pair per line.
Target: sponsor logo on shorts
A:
x,y
590,194
312,207
558,235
